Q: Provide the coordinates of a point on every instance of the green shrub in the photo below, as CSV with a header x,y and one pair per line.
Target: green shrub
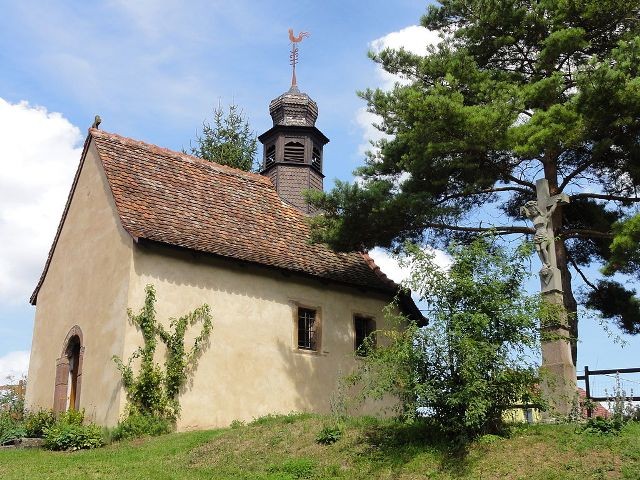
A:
x,y
67,436
138,425
603,426
330,434
35,422
68,433
10,429
71,417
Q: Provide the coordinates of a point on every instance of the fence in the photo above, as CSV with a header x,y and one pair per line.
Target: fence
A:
x,y
593,373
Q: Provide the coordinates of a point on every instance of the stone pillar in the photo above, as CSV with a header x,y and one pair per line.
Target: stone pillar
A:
x,y
61,386
558,371
79,378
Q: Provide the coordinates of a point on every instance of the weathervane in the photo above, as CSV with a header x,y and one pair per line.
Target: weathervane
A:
x,y
293,56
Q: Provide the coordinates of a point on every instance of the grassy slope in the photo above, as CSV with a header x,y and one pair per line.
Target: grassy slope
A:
x,y
285,448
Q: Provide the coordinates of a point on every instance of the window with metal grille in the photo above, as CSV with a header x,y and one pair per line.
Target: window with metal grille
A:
x,y
316,159
294,152
365,329
270,155
307,329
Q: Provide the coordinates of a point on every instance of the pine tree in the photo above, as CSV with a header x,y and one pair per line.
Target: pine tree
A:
x,y
228,141
516,90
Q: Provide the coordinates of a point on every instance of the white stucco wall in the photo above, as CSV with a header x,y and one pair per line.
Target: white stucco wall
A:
x,y
86,285
252,366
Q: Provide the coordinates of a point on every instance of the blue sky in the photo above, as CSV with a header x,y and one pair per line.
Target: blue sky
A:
x,y
154,70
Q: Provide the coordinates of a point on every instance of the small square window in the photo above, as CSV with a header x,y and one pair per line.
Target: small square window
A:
x,y
365,328
307,329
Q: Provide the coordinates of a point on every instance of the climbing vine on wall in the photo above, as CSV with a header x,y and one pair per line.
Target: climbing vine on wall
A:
x,y
154,389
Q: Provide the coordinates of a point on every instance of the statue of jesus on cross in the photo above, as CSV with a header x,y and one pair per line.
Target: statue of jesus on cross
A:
x,y
540,213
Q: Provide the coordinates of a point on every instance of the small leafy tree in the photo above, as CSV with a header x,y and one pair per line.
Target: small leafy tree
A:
x,y
154,390
473,360
228,141
12,397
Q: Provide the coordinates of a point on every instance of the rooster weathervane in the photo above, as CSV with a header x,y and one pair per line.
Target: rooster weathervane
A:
x,y
293,56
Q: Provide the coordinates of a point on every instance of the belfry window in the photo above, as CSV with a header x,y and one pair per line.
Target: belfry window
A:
x,y
316,158
294,152
270,155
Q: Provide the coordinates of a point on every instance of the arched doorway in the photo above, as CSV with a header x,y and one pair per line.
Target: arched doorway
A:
x,y
69,372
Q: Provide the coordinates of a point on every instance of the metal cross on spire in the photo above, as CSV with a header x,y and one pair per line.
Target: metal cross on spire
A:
x,y
293,56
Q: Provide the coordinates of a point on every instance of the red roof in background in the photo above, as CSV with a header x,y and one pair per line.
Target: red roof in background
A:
x,y
180,200
598,411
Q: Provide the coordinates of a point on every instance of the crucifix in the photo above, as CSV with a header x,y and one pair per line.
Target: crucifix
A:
x,y
540,212
559,383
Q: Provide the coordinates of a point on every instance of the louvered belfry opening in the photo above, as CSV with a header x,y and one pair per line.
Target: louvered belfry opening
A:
x,y
316,158
270,155
292,154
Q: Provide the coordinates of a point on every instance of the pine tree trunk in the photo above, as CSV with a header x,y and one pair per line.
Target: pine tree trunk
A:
x,y
570,303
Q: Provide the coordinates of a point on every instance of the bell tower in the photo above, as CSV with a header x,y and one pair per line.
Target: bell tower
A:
x,y
292,148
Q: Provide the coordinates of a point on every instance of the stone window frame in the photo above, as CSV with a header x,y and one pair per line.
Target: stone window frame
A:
x,y
368,318
62,372
296,306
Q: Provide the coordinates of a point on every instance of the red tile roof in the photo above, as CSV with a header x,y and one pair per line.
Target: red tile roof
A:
x,y
180,200
598,409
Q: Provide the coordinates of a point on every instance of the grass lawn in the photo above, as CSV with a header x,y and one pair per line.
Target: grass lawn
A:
x,y
284,448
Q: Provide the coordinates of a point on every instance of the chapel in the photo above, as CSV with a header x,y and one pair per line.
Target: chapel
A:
x,y
288,315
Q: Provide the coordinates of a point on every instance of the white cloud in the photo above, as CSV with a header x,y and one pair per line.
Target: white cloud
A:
x,y
415,39
390,266
366,120
14,366
39,153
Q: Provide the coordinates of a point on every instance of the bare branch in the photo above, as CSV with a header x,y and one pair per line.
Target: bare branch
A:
x,y
521,182
575,173
584,278
604,196
504,230
585,233
506,189
484,191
